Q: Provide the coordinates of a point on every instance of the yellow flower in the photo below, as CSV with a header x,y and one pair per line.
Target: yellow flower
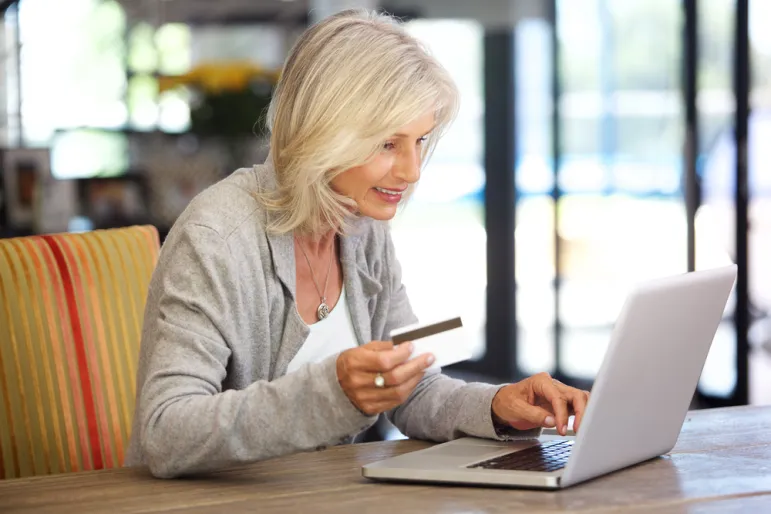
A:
x,y
216,77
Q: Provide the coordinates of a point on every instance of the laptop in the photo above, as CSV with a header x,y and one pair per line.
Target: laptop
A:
x,y
639,401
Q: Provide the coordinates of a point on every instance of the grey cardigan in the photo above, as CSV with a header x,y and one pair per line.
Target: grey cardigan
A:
x,y
221,326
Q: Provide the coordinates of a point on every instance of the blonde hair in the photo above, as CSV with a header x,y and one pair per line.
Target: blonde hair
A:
x,y
349,83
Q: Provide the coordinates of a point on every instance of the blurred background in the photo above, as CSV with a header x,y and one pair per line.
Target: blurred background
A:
x,y
596,147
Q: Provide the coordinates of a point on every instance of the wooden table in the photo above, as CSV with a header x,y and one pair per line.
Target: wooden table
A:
x,y
722,462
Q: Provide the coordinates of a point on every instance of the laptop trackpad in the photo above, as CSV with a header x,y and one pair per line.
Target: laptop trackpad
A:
x,y
472,447
459,453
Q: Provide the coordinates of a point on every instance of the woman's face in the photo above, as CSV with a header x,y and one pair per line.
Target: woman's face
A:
x,y
377,186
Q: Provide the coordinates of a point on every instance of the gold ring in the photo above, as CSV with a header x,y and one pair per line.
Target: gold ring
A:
x,y
379,380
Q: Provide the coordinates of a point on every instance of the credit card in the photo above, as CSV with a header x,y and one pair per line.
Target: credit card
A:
x,y
446,340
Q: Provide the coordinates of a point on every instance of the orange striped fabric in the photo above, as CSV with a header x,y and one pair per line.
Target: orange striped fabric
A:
x,y
71,308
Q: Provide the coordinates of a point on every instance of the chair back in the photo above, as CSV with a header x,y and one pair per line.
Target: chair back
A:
x,y
71,310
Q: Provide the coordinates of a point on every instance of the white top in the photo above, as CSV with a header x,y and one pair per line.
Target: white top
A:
x,y
329,336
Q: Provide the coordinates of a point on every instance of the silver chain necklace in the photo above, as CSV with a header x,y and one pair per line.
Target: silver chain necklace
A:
x,y
323,309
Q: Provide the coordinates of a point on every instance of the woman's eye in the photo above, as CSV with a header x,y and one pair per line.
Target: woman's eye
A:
x,y
389,145
422,140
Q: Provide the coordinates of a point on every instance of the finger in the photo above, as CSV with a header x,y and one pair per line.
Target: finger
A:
x,y
561,414
579,418
378,356
361,357
379,345
400,393
408,370
578,401
558,402
374,400
520,410
383,399
386,360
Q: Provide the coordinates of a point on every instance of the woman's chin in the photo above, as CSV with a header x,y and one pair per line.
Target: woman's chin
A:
x,y
380,213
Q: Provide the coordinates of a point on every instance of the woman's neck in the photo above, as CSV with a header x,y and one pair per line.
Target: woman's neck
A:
x,y
317,245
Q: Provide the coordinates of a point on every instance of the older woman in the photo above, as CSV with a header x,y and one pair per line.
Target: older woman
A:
x,y
268,315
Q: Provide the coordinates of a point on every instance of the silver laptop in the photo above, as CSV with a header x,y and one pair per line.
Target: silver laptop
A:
x,y
639,401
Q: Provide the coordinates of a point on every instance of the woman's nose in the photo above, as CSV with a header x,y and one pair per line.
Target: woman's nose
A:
x,y
408,167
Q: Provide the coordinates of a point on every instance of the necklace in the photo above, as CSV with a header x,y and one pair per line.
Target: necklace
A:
x,y
323,309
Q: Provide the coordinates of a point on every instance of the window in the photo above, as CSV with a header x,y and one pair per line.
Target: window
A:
x,y
165,51
72,66
620,217
447,207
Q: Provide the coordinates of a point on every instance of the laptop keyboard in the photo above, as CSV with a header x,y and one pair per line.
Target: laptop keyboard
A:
x,y
548,456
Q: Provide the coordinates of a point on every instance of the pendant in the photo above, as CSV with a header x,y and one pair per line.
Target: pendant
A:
x,y
323,311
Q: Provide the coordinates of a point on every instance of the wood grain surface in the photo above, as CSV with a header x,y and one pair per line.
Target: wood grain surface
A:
x,y
722,463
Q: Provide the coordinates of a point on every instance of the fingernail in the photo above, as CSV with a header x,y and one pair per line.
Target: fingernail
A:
x,y
549,421
410,347
430,360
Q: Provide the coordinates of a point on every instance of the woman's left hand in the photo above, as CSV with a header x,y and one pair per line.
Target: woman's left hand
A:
x,y
539,401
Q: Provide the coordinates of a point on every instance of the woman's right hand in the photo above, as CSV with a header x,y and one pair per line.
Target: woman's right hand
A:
x,y
358,367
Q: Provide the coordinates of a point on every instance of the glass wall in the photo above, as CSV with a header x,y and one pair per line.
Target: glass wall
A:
x,y
439,235
714,222
759,237
534,179
620,217
72,66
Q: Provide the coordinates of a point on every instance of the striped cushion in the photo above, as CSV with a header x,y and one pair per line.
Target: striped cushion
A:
x,y
71,308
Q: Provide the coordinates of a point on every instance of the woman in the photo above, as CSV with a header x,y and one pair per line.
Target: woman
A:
x,y
267,313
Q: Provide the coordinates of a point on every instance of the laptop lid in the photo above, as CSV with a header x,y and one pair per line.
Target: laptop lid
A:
x,y
650,371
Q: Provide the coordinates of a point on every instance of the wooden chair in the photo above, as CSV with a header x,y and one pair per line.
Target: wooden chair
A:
x,y
71,309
